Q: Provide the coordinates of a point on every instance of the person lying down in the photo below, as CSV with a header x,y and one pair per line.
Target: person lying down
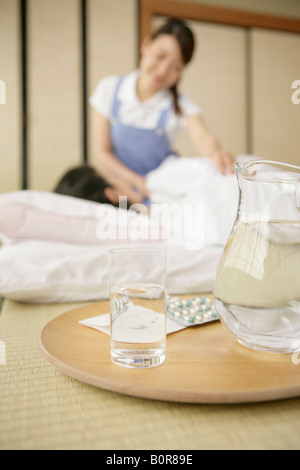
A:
x,y
52,251
194,183
85,183
175,180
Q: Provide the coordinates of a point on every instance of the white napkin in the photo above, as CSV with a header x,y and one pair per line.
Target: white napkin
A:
x,y
102,323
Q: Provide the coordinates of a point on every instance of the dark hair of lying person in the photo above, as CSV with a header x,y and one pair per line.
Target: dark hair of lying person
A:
x,y
85,183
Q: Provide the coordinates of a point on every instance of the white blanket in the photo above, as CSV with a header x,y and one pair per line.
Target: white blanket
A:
x,y
55,247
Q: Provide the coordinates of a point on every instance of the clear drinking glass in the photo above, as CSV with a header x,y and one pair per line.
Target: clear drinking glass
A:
x,y
257,286
138,306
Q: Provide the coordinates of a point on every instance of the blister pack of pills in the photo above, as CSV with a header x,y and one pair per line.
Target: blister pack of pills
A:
x,y
193,311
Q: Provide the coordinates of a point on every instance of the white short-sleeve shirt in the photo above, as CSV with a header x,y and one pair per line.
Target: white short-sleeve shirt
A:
x,y
143,115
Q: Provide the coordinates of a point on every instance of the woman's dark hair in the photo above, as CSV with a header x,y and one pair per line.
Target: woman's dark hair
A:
x,y
85,183
183,34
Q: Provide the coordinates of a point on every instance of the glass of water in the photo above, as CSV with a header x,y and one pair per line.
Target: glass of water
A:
x,y
138,306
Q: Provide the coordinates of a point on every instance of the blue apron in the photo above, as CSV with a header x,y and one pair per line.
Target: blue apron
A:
x,y
142,150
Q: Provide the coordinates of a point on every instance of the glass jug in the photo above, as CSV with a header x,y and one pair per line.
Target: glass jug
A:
x,y
257,285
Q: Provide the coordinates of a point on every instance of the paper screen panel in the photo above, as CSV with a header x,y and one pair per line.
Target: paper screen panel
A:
x,y
276,119
10,103
54,90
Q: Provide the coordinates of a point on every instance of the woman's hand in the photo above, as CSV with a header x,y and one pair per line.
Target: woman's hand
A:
x,y
207,144
134,188
224,161
138,184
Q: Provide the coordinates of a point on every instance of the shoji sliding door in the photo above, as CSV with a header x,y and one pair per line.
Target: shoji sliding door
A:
x,y
54,90
10,111
275,118
243,79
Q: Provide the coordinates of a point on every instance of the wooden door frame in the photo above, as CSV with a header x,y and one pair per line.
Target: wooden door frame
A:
x,y
199,12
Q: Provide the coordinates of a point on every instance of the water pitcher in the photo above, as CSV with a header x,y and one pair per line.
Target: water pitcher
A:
x,y
257,286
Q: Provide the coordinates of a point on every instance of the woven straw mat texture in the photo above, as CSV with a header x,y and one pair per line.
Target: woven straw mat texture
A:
x,y
41,408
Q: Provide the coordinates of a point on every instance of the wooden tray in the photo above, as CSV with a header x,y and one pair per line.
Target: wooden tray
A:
x,y
204,364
